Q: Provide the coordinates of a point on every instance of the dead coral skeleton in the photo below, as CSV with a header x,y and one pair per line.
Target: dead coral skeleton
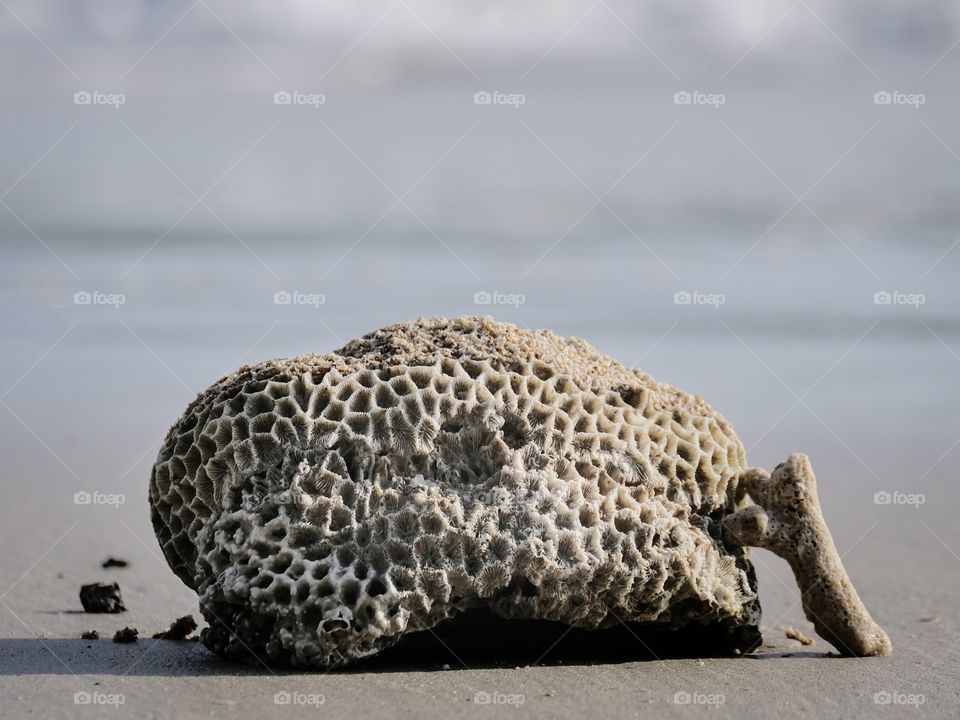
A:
x,y
787,521
324,506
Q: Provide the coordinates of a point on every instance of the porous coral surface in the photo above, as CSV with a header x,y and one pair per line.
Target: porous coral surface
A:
x,y
324,506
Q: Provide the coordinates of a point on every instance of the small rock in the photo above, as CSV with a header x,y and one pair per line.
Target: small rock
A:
x,y
127,635
930,619
112,562
90,635
179,629
101,598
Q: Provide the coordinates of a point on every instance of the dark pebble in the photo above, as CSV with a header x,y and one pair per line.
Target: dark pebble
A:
x,y
101,598
127,635
179,629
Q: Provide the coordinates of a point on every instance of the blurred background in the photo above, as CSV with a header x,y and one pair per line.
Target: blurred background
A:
x,y
756,201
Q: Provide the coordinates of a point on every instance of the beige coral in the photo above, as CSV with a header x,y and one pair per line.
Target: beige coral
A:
x,y
787,520
324,506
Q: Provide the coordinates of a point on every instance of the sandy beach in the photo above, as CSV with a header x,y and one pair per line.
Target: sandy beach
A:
x,y
756,204
869,392
908,579
900,556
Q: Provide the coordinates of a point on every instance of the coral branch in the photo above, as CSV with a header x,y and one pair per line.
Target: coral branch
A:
x,y
787,520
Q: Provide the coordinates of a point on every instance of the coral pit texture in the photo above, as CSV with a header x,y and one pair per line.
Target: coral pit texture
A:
x,y
324,506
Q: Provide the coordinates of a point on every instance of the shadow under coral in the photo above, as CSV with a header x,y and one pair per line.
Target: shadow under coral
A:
x,y
476,640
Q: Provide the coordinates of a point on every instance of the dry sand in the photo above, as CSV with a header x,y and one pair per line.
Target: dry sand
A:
x,y
908,578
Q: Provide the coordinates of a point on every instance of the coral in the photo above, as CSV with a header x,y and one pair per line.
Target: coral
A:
x,y
324,506
794,634
787,521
